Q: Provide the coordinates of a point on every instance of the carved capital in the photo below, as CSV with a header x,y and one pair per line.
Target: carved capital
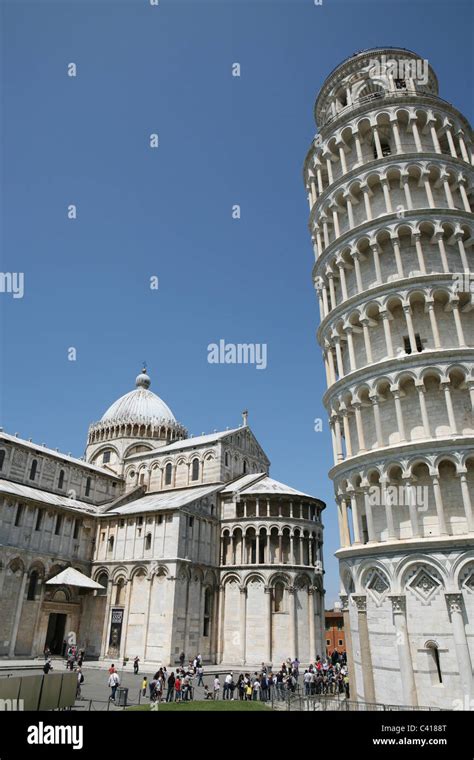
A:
x,y
360,601
399,604
455,603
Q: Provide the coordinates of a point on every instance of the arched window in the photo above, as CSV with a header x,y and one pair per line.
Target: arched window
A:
x,y
61,479
244,467
32,586
88,486
111,544
168,473
2,458
226,459
207,612
195,469
103,579
34,467
278,597
148,541
120,593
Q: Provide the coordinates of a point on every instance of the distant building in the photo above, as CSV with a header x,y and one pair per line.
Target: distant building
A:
x,y
334,633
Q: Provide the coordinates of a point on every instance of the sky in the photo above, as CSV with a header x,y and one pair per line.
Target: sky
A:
x,y
89,317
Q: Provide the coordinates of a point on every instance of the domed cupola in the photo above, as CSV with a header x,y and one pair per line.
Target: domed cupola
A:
x,y
139,414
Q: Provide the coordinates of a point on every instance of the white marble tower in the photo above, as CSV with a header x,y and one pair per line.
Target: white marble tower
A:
x,y
389,183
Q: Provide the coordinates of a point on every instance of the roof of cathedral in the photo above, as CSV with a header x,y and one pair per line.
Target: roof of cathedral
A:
x,y
188,443
139,405
37,494
41,449
165,500
264,485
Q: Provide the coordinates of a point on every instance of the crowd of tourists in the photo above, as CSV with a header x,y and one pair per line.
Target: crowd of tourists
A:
x,y
326,676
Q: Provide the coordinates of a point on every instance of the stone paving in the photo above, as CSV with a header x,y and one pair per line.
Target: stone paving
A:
x,y
96,679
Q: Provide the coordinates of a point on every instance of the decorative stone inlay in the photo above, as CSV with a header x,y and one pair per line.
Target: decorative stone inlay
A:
x,y
424,585
377,586
468,582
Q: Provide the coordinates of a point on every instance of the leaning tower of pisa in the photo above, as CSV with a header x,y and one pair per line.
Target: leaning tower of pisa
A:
x,y
389,182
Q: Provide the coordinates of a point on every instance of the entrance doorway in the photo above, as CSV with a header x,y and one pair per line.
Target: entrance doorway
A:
x,y
55,633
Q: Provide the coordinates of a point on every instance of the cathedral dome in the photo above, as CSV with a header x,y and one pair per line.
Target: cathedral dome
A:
x,y
139,414
139,405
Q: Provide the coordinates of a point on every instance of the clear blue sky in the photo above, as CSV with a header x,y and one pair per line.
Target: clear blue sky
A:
x,y
167,212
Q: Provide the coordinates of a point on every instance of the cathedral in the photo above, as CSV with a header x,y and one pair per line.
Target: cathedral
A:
x,y
156,543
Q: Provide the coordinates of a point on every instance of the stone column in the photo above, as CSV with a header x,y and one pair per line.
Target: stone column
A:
x,y
433,322
348,637
243,622
398,256
221,630
355,518
455,604
466,498
378,422
444,386
368,347
404,654
360,601
126,612
388,335
369,515
439,506
106,627
398,411
16,619
387,502
359,426
292,622
312,639
149,584
269,605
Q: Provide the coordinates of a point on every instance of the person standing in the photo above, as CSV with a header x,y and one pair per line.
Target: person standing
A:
x,y
144,685
114,683
169,693
182,658
200,675
80,681
227,687
135,665
217,686
177,689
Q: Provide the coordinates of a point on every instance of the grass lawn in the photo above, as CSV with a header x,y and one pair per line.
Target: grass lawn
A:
x,y
207,705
